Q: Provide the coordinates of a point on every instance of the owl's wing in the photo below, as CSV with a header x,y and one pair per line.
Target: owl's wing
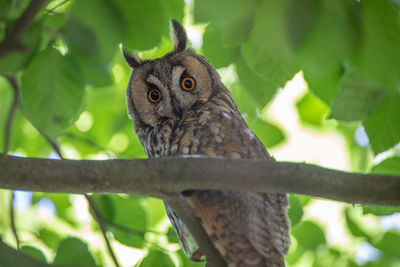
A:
x,y
248,229
186,239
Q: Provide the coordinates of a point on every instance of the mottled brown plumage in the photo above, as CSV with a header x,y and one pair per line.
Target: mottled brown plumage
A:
x,y
248,229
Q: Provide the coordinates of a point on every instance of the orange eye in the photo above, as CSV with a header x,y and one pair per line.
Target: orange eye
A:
x,y
154,95
188,84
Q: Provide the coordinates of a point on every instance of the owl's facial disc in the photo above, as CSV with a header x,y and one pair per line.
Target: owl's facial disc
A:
x,y
168,88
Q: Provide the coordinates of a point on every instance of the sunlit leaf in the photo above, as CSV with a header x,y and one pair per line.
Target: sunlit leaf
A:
x,y
379,210
353,226
155,211
49,237
311,109
157,258
389,166
187,262
130,215
309,235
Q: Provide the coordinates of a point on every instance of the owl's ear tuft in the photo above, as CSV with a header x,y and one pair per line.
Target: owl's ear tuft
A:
x,y
131,58
178,36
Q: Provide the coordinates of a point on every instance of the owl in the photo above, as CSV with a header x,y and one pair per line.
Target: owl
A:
x,y
179,107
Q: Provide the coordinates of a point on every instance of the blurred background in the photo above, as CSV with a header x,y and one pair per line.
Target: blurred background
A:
x,y
317,81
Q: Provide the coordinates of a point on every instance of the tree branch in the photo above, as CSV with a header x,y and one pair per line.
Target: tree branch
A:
x,y
12,40
163,177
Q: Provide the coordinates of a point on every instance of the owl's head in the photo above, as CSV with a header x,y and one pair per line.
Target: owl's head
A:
x,y
167,88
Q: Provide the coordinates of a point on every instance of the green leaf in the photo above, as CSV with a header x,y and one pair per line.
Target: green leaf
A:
x,y
331,22
295,211
309,235
379,55
245,101
379,210
357,99
311,109
52,92
61,203
215,51
258,86
267,49
75,252
269,134
389,244
186,262
49,237
155,211
147,21
16,60
302,16
34,252
389,166
383,125
93,33
94,29
234,18
172,236
353,226
105,206
157,258
130,214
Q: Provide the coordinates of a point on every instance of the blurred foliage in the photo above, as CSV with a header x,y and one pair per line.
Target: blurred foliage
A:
x,y
73,77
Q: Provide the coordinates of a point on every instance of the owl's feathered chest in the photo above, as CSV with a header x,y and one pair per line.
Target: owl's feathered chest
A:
x,y
212,129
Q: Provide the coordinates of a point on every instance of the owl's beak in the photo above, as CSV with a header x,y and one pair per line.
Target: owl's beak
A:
x,y
178,111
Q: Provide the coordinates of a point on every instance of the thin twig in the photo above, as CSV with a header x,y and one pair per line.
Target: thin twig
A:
x,y
12,40
99,219
92,205
11,113
134,231
12,220
7,138
55,7
56,148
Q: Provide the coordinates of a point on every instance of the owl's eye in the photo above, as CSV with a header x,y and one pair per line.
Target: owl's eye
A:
x,y
188,83
154,95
